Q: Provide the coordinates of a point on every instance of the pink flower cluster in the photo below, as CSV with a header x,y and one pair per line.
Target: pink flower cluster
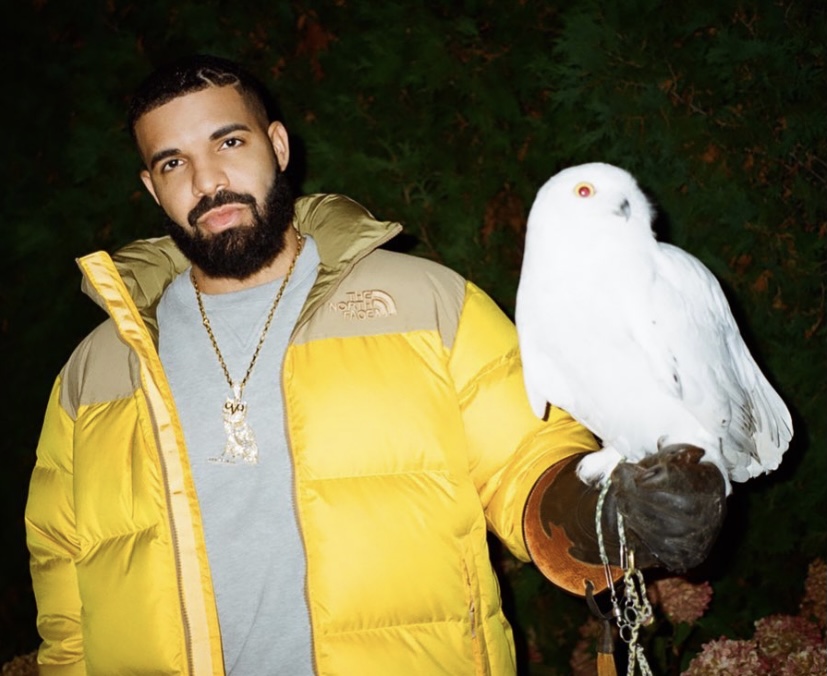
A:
x,y
725,657
777,650
814,603
681,600
779,636
783,645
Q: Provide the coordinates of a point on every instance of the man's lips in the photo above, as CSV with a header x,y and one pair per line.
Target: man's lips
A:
x,y
222,218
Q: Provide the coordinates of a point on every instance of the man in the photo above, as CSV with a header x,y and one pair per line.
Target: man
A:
x,y
281,452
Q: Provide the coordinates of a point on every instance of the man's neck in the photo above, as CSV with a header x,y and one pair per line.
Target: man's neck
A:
x,y
275,270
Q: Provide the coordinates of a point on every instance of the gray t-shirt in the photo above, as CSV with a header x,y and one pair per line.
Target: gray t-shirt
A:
x,y
254,547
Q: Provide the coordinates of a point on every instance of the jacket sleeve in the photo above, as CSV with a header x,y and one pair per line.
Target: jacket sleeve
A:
x,y
54,547
509,447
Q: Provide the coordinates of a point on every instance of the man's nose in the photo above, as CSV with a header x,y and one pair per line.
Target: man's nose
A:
x,y
208,179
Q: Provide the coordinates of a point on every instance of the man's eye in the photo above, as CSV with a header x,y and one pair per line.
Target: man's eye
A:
x,y
169,165
232,142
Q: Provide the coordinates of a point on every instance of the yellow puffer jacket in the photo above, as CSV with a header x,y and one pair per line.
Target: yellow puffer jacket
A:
x,y
410,434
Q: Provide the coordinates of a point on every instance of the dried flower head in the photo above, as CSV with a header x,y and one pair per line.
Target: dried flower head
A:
x,y
681,600
778,636
814,603
725,657
811,660
24,665
783,645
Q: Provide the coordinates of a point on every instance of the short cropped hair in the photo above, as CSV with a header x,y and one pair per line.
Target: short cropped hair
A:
x,y
192,74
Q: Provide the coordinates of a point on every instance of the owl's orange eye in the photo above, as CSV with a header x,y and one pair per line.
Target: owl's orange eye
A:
x,y
584,190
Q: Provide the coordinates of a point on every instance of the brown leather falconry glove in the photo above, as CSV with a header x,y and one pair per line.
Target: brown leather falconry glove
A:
x,y
672,505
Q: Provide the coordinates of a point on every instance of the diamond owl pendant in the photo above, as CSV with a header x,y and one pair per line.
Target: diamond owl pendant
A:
x,y
241,443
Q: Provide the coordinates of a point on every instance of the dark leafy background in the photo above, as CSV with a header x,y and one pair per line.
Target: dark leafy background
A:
x,y
448,116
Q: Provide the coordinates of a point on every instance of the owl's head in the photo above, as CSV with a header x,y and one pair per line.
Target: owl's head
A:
x,y
595,195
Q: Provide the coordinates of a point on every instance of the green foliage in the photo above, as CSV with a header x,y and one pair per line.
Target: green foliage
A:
x,y
448,116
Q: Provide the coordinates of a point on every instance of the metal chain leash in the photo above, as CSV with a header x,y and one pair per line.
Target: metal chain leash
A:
x,y
635,611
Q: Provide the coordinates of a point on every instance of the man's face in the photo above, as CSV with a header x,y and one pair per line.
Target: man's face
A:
x,y
213,165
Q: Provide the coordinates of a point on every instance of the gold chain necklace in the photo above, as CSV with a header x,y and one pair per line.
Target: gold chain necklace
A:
x,y
241,442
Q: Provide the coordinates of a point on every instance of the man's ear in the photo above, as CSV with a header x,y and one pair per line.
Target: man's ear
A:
x,y
281,144
147,181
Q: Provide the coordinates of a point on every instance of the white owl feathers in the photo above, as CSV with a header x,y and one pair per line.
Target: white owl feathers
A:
x,y
634,338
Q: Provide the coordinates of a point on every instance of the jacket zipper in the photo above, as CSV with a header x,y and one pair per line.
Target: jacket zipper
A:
x,y
472,606
478,647
472,615
175,544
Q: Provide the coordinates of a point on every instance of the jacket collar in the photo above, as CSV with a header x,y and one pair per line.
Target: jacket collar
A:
x,y
344,232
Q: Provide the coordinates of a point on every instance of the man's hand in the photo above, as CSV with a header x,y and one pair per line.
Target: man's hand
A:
x,y
672,505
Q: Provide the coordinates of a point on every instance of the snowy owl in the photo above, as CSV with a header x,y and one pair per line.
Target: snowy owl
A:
x,y
633,337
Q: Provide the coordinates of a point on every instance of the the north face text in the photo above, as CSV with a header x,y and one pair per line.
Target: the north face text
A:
x,y
368,304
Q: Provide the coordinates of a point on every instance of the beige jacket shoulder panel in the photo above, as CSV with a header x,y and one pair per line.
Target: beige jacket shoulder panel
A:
x,y
387,292
102,368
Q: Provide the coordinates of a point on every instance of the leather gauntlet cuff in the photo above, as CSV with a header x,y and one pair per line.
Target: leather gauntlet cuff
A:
x,y
673,507
560,533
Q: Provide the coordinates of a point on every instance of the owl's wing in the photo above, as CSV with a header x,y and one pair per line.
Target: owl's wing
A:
x,y
692,329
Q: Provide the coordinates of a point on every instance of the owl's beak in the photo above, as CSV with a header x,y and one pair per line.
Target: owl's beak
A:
x,y
624,209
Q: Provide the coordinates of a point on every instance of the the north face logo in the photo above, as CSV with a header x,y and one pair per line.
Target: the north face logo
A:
x,y
368,304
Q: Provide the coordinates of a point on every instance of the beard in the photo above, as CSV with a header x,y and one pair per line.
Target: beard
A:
x,y
240,252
